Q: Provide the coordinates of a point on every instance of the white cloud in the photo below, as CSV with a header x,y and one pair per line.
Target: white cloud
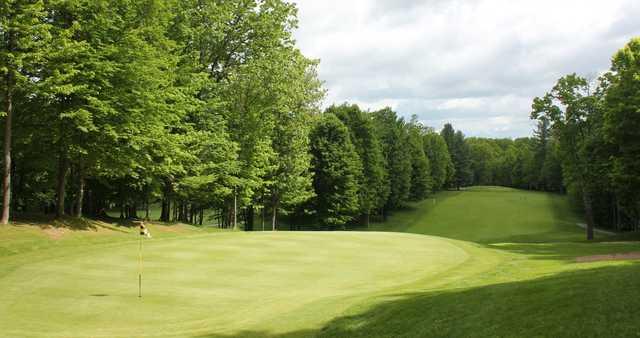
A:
x,y
477,63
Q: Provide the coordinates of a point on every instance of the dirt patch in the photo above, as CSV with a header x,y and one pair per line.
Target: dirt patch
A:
x,y
610,257
55,233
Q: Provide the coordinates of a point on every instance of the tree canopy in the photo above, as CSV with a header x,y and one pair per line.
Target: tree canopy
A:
x,y
209,105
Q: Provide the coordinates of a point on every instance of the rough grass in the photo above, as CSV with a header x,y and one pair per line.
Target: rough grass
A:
x,y
504,264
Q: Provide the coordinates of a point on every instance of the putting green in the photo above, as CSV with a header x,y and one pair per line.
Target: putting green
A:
x,y
213,283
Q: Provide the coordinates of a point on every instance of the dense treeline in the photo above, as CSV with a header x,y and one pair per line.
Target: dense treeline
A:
x,y
586,143
208,105
369,163
193,106
597,124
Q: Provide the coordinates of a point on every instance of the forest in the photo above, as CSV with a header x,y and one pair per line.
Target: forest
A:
x,y
195,106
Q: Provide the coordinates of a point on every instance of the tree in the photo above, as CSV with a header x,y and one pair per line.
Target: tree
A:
x,y
542,136
24,36
482,156
290,180
337,172
448,135
622,128
394,139
572,111
459,151
437,152
551,171
420,166
373,190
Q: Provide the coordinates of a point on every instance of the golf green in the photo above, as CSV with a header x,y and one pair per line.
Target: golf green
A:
x,y
215,282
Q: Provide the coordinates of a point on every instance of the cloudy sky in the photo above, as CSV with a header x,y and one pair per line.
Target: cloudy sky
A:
x,y
474,63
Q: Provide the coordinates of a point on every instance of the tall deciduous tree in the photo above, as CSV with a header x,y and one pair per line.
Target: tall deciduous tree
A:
x,y
420,166
24,36
459,150
337,172
622,128
395,145
437,151
290,180
373,191
571,109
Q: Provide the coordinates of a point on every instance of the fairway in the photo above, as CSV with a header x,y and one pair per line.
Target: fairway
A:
x,y
491,215
487,262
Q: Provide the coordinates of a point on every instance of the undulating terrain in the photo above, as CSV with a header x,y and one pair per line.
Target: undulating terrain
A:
x,y
480,262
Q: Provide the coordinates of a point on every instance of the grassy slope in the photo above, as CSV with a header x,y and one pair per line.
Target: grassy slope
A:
x,y
536,288
506,269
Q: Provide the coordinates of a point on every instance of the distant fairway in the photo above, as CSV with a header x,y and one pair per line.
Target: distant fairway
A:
x,y
491,215
503,265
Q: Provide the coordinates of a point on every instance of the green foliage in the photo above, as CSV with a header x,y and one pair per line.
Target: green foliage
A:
x,y
337,172
460,157
484,155
622,128
24,39
209,105
591,128
421,181
373,191
187,101
395,145
440,162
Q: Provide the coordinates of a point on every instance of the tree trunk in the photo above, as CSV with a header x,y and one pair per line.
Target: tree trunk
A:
x,y
249,218
588,210
617,215
6,181
63,168
146,208
80,196
263,211
163,212
166,202
168,216
175,211
274,215
235,210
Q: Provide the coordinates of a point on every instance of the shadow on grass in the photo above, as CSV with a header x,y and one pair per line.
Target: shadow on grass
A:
x,y
50,221
73,223
567,251
598,302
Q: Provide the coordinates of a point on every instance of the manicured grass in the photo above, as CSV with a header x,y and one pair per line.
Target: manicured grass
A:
x,y
491,215
203,283
503,264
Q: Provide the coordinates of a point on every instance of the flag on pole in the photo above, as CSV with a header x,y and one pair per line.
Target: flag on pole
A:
x,y
144,231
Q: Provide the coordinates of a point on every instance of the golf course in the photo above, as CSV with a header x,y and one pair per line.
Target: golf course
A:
x,y
485,261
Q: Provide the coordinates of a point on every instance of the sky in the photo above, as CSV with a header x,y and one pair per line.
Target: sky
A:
x,y
477,64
